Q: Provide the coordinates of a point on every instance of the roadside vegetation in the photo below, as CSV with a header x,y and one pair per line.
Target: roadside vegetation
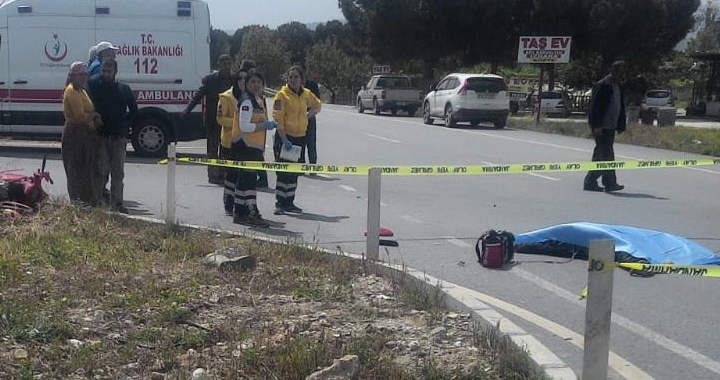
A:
x,y
86,294
705,141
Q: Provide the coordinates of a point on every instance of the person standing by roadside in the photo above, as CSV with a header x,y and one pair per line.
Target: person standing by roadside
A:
x,y
292,107
250,146
607,115
212,85
227,119
311,136
103,50
117,107
79,139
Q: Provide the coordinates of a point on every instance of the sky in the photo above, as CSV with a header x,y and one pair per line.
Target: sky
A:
x,y
230,15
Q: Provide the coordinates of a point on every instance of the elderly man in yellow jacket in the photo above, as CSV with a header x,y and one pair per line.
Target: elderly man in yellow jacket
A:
x,y
292,107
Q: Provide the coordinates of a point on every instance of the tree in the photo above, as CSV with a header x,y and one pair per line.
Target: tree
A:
x,y
640,32
343,36
219,44
298,38
327,64
269,53
708,33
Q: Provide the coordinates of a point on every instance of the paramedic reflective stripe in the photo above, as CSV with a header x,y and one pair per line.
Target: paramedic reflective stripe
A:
x,y
285,190
229,187
453,169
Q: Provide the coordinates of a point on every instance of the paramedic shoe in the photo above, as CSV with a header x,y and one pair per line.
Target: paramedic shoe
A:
x,y
613,188
240,219
121,209
292,208
256,220
594,187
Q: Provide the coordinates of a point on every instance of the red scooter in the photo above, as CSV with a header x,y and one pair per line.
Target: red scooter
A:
x,y
20,193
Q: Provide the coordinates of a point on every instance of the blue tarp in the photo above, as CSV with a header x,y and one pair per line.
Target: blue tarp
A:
x,y
654,246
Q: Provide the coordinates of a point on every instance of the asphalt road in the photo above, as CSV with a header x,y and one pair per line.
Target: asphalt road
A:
x,y
662,325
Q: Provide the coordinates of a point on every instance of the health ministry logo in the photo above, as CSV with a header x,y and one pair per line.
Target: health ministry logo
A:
x,y
55,49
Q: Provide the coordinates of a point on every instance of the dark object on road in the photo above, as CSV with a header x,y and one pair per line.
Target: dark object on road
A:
x,y
20,193
495,248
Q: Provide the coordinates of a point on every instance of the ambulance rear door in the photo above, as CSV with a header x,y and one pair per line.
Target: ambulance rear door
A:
x,y
4,88
45,37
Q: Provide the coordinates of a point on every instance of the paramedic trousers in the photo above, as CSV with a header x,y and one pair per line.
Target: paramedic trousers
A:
x,y
215,173
603,151
78,151
230,179
286,183
245,187
110,161
310,142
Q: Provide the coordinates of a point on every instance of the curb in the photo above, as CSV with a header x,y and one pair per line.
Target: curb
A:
x,y
456,298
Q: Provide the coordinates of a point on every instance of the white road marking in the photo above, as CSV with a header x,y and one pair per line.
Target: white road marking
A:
x,y
348,188
457,242
411,219
383,138
617,363
630,325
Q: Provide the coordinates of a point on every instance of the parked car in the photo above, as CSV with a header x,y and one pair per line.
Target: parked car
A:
x,y
389,93
657,98
470,98
556,103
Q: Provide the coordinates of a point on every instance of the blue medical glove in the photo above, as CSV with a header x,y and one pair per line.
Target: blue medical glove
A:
x,y
268,125
287,145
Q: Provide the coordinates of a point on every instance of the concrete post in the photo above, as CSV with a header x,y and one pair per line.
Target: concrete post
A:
x,y
170,195
373,215
601,266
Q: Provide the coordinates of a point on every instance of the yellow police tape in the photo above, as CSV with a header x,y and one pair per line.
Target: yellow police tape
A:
x,y
450,169
683,270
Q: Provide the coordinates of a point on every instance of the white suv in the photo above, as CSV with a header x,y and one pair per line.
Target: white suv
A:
x,y
468,97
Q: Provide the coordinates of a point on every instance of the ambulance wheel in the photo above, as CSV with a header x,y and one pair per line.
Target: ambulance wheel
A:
x,y
150,138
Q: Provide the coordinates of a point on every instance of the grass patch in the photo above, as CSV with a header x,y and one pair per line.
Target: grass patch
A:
x,y
85,294
704,141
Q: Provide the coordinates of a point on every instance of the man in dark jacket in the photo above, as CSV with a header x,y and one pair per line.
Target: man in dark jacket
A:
x,y
116,105
213,85
607,115
311,134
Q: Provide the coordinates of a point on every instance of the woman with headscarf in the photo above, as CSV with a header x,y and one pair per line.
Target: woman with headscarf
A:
x,y
79,137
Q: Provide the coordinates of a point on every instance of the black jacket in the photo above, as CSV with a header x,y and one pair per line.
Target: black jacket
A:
x,y
212,86
116,105
599,103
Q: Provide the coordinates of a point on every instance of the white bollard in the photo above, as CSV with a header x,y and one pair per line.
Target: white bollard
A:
x,y
170,195
601,265
373,215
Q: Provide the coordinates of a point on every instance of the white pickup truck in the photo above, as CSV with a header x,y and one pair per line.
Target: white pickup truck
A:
x,y
389,93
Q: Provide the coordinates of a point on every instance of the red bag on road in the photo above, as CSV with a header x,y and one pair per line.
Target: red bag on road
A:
x,y
495,248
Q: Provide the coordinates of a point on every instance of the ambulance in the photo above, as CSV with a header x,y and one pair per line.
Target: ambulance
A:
x,y
164,53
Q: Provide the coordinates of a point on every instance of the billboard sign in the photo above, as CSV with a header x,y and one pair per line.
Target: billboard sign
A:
x,y
533,49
